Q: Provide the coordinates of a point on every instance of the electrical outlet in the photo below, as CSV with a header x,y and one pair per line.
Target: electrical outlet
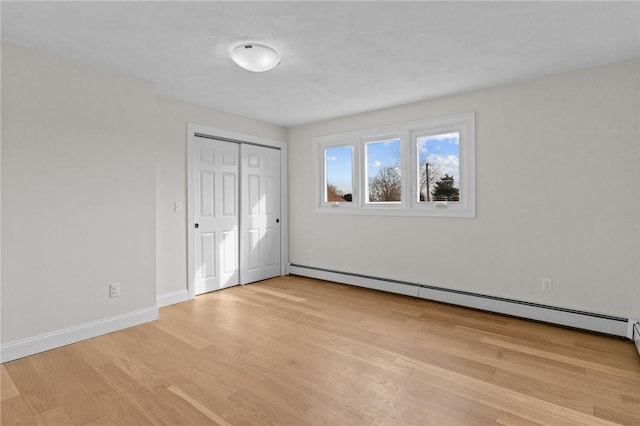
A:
x,y
114,289
547,284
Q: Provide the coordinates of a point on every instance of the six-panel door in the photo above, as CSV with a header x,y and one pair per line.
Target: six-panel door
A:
x,y
260,219
216,206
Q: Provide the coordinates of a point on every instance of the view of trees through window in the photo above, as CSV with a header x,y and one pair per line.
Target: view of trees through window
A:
x,y
420,168
339,174
439,167
384,174
438,170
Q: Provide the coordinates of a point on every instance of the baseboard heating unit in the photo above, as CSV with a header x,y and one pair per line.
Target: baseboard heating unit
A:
x,y
616,326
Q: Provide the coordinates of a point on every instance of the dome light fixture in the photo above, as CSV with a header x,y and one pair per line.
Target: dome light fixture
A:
x,y
255,57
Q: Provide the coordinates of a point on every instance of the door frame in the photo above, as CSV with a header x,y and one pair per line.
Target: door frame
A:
x,y
195,130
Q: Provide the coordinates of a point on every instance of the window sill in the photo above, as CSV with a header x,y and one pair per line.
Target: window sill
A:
x,y
426,211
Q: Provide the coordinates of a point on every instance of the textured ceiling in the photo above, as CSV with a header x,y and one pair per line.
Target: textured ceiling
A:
x,y
338,58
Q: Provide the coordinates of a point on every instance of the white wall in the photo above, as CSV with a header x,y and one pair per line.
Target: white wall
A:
x,y
171,185
78,194
92,163
558,189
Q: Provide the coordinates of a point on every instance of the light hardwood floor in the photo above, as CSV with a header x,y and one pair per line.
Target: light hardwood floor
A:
x,y
296,351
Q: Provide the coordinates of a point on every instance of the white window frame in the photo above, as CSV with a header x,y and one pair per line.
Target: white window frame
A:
x,y
463,124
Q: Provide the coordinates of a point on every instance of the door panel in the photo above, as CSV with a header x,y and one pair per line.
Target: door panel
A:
x,y
206,194
207,255
260,230
216,213
253,193
229,194
252,260
229,246
271,257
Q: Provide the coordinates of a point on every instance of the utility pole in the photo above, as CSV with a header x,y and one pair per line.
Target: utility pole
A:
x,y
426,174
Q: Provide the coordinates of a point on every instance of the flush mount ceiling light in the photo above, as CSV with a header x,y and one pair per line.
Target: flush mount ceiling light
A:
x,y
255,57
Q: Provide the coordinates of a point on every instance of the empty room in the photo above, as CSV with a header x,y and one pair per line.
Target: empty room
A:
x,y
320,213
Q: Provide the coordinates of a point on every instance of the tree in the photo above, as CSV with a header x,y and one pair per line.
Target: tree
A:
x,y
386,185
443,190
335,195
429,174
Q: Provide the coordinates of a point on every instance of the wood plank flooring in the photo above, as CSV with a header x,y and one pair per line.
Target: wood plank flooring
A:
x,y
297,351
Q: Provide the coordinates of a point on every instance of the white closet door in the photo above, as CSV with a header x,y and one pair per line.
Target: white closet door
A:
x,y
260,218
216,216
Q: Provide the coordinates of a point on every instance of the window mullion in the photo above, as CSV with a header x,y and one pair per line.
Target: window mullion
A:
x,y
357,174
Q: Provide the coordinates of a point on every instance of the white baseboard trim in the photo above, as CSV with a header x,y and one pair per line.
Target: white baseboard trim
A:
x,y
172,298
634,332
607,324
44,342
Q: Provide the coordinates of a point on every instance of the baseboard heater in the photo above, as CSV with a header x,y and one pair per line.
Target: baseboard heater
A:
x,y
607,324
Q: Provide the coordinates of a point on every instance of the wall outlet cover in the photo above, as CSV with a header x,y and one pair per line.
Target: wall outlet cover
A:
x,y
114,290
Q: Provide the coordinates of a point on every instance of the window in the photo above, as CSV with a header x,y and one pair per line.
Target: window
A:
x,y
384,172
421,168
338,182
438,167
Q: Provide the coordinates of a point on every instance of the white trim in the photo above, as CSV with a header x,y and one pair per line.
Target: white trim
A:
x,y
55,339
630,330
372,283
172,298
463,124
566,317
633,332
213,132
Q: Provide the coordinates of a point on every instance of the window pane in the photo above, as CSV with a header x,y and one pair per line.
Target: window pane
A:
x,y
339,177
384,176
439,167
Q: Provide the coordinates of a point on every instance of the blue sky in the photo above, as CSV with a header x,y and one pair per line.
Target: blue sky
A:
x,y
442,151
338,164
382,154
